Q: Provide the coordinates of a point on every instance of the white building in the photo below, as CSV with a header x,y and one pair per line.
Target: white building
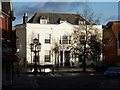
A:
x,y
51,29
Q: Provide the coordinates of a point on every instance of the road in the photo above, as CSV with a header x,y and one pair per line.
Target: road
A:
x,y
65,80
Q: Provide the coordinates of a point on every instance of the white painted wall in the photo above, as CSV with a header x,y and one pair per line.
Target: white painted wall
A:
x,y
26,34
41,29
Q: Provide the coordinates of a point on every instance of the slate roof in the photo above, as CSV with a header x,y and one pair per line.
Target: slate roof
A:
x,y
54,18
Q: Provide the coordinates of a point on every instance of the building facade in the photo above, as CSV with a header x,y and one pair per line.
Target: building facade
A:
x,y
6,17
8,57
111,40
54,31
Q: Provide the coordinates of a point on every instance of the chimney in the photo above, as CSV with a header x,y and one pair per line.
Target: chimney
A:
x,y
25,18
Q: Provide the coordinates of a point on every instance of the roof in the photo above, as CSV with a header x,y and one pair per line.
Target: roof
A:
x,y
109,24
6,7
54,18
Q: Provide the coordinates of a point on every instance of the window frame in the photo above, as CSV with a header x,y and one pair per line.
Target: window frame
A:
x,y
47,56
43,21
65,39
48,39
82,39
81,22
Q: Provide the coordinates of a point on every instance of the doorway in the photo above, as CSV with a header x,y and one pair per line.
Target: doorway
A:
x,y
67,58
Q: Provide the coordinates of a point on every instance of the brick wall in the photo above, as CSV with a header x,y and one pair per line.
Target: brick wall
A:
x,y
110,38
6,27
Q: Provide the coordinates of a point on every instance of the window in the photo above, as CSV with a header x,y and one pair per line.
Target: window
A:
x,y
47,55
81,22
82,36
82,39
62,20
43,20
47,38
65,39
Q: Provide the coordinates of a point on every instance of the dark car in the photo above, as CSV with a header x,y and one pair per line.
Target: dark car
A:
x,y
112,72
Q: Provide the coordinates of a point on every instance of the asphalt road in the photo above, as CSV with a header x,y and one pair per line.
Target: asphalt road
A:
x,y
64,80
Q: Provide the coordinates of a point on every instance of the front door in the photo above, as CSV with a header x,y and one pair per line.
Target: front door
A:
x,y
67,58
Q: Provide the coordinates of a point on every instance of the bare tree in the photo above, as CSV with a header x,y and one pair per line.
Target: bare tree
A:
x,y
89,15
95,50
84,35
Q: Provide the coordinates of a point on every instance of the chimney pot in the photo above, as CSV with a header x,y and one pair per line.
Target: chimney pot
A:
x,y
25,14
25,18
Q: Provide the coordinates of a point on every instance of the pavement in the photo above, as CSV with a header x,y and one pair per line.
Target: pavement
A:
x,y
63,78
63,69
27,79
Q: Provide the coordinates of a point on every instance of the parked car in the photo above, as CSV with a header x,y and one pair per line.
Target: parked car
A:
x,y
112,72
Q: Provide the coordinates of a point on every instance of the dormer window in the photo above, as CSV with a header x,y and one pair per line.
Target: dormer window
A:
x,y
80,22
43,20
62,20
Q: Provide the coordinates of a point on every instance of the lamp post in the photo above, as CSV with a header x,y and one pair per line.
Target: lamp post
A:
x,y
35,47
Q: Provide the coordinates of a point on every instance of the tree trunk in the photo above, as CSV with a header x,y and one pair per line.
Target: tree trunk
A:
x,y
84,60
84,63
55,59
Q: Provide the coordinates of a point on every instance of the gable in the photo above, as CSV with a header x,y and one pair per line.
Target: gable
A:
x,y
64,26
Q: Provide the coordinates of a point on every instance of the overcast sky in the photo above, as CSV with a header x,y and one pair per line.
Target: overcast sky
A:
x,y
108,10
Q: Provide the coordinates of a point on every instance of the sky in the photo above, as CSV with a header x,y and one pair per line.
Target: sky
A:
x,y
107,10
